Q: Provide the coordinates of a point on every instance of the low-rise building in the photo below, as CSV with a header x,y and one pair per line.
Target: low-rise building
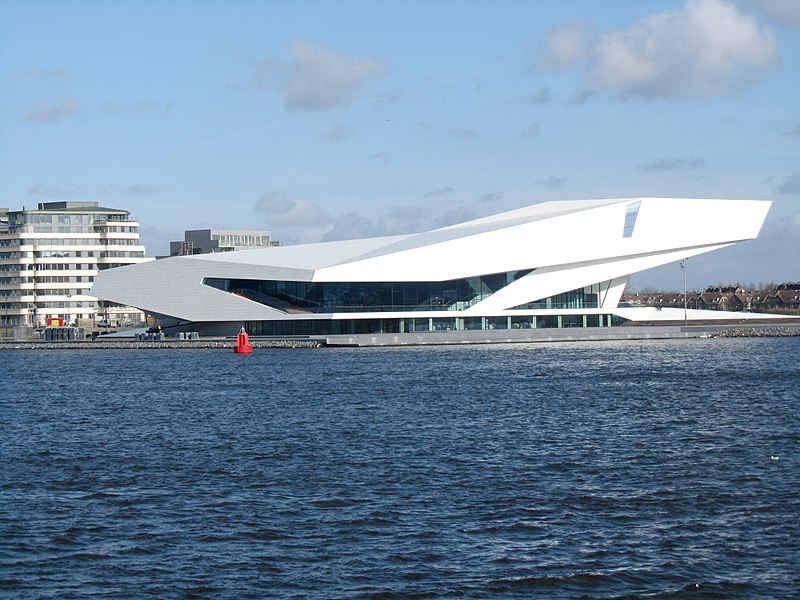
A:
x,y
785,296
207,241
50,256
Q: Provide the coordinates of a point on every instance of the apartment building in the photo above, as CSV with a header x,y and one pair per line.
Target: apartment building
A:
x,y
50,256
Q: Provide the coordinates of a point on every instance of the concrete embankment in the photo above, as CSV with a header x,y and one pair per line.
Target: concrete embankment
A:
x,y
128,344
576,334
439,338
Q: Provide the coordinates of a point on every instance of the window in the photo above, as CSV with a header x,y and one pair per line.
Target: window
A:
x,y
630,219
330,297
587,297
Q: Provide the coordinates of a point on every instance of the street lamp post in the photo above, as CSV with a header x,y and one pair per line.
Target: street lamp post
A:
x,y
685,317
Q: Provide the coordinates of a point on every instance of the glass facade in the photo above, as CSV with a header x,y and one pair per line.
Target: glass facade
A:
x,y
415,325
334,297
586,297
316,298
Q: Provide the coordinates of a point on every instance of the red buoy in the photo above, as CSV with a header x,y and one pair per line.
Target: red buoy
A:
x,y
243,343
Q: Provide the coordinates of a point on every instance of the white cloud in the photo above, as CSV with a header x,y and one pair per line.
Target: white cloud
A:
x,y
454,216
581,98
46,73
402,219
338,132
132,107
540,98
791,184
142,189
353,225
320,78
281,210
563,49
463,133
50,113
54,192
785,12
381,158
490,197
350,226
531,131
672,163
383,100
440,192
553,181
263,75
315,77
135,189
794,132
707,48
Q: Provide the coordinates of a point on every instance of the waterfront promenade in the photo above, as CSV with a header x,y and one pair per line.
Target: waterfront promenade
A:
x,y
496,336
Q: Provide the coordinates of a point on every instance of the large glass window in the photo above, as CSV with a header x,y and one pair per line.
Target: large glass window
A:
x,y
330,297
586,297
412,325
572,321
527,322
473,323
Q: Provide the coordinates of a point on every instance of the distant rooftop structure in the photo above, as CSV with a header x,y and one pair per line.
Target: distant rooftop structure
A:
x,y
208,241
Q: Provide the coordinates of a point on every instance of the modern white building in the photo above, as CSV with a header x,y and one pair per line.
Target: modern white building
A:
x,y
556,264
205,241
50,256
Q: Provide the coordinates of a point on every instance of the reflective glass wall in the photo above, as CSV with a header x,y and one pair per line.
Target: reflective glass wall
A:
x,y
415,325
310,297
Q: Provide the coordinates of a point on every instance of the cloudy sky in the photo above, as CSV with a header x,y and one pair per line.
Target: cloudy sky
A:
x,y
332,120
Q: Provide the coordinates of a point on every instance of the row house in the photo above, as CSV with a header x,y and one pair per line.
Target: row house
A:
x,y
727,298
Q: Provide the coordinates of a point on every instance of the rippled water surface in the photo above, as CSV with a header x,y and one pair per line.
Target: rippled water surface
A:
x,y
663,469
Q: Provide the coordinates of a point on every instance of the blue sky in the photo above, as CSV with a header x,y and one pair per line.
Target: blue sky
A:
x,y
330,120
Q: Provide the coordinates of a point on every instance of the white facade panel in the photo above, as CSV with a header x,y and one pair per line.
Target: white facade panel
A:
x,y
549,281
174,287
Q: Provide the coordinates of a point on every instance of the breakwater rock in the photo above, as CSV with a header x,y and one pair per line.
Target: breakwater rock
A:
x,y
210,344
746,332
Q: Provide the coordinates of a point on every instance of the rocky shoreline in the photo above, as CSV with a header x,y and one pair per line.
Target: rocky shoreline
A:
x,y
747,332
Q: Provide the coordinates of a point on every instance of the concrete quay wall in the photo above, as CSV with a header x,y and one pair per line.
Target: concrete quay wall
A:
x,y
577,334
497,336
130,344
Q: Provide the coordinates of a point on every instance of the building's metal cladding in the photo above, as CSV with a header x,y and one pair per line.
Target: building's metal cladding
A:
x,y
552,260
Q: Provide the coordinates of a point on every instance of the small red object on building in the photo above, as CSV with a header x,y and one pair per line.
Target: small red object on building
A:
x,y
243,343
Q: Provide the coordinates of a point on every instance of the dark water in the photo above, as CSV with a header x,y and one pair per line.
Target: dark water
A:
x,y
595,470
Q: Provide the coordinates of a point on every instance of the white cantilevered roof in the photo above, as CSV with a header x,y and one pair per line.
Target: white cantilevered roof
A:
x,y
329,254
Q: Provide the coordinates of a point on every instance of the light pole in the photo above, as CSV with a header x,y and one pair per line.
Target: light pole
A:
x,y
685,317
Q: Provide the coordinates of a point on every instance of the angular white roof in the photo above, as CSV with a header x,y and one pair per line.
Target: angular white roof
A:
x,y
568,244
